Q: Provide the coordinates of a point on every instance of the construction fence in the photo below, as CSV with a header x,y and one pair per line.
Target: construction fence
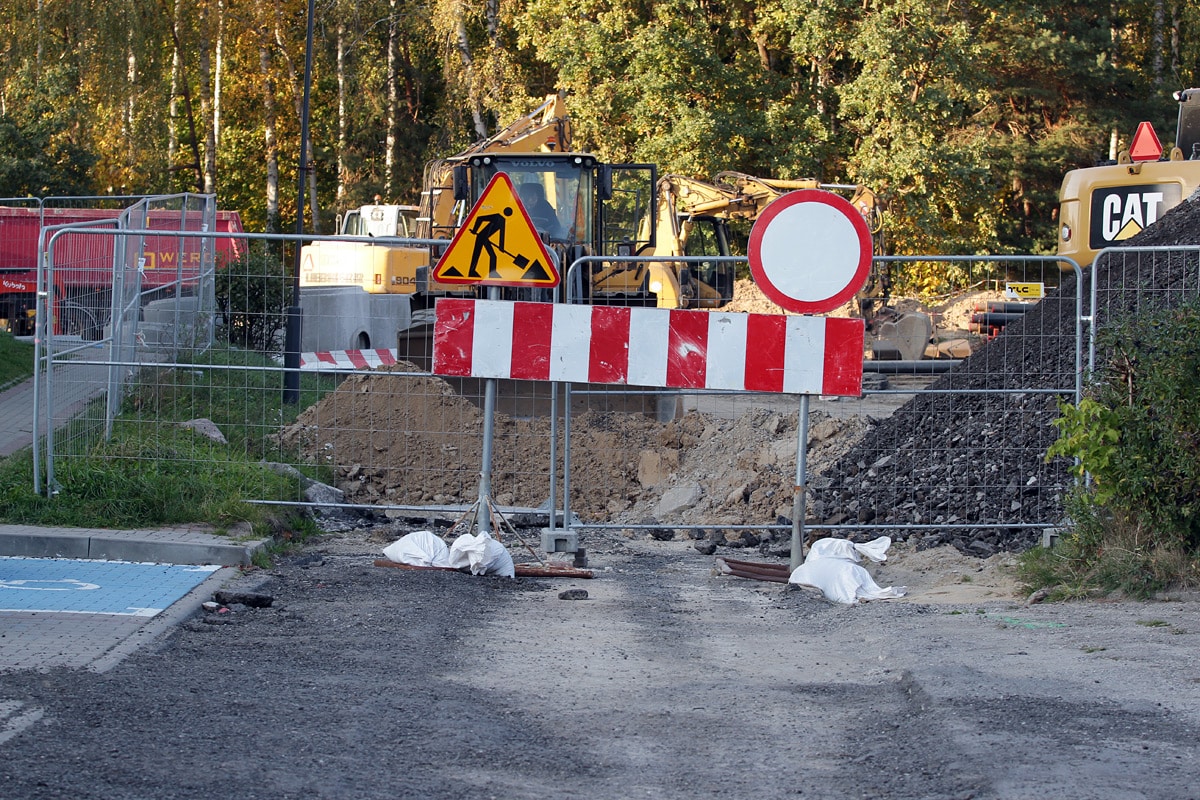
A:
x,y
945,442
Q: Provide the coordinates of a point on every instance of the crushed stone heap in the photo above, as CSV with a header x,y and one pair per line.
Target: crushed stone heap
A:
x,y
977,457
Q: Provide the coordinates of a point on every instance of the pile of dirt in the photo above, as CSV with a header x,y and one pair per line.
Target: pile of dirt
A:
x,y
403,440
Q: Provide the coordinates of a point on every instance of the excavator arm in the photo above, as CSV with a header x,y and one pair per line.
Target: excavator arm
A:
x,y
545,129
684,201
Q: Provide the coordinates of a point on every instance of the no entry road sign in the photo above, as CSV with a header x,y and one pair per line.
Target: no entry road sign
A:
x,y
810,251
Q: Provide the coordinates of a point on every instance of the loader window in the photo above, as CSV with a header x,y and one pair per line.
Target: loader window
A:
x,y
701,238
557,194
708,236
629,216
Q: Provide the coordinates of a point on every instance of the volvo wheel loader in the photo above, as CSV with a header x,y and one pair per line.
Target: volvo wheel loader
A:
x,y
363,292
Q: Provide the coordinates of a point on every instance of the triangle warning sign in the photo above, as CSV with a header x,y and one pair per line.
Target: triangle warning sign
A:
x,y
497,244
1145,145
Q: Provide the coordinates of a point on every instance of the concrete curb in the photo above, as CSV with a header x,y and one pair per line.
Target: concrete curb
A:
x,y
171,546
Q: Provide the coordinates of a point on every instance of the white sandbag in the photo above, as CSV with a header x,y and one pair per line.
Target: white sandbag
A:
x,y
419,549
829,547
876,549
482,554
832,548
831,567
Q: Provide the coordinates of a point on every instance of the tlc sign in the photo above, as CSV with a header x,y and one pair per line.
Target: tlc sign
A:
x,y
1121,212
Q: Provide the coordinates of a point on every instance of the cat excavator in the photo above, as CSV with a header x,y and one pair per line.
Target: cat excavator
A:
x,y
1108,203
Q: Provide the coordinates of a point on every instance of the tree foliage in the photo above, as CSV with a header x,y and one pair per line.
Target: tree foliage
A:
x,y
253,293
964,116
42,149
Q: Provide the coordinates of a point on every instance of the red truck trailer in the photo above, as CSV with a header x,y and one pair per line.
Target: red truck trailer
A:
x,y
84,264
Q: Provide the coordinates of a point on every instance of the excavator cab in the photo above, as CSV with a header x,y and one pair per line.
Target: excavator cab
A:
x,y
709,236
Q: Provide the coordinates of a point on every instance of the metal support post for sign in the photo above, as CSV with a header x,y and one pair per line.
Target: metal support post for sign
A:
x,y
566,502
293,332
489,435
799,500
553,500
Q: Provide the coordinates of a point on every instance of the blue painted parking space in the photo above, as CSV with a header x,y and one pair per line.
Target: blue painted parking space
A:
x,y
83,586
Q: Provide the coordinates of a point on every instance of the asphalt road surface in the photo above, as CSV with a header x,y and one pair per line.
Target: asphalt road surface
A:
x,y
666,682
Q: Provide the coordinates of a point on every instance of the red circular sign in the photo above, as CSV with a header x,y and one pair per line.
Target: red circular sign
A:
x,y
810,251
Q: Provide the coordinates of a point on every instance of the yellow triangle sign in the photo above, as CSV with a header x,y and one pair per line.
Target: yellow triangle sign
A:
x,y
497,244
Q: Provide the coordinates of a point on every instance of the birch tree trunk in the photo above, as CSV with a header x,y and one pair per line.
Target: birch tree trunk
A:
x,y
463,45
341,116
206,117
389,156
173,104
130,115
1157,42
217,78
270,145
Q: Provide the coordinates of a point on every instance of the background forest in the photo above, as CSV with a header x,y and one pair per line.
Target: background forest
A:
x,y
963,115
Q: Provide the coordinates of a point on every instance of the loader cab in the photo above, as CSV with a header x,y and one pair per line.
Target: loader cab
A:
x,y
380,220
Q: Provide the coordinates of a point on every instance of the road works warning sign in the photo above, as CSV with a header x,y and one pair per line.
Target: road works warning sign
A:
x,y
497,244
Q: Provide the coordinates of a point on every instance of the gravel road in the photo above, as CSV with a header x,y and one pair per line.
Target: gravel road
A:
x,y
666,682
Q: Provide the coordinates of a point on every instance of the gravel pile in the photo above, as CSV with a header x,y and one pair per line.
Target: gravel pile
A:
x,y
957,461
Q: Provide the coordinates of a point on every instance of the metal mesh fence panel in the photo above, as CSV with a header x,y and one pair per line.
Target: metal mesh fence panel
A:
x,y
947,442
392,438
1128,281
115,296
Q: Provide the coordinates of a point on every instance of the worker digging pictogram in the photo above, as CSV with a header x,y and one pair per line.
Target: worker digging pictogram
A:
x,y
497,245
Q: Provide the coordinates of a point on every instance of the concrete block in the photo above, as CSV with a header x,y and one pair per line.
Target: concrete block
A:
x,y
559,541
1050,537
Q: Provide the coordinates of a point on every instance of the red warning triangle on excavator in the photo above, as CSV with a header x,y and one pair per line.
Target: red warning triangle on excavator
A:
x,y
497,244
1145,145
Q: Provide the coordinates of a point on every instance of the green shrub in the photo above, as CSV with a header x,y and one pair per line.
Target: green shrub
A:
x,y
253,294
1136,438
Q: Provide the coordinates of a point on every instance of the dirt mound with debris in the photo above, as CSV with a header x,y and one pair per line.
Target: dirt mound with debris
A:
x,y
416,440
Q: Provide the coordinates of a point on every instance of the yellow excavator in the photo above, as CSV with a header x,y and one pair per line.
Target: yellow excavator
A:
x,y
692,219
1102,205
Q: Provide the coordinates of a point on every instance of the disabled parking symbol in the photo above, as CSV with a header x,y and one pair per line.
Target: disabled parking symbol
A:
x,y
46,585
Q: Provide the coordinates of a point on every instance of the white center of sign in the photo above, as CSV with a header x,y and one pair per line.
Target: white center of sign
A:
x,y
810,233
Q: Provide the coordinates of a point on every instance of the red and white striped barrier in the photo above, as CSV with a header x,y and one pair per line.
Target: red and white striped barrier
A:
x,y
347,359
648,347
